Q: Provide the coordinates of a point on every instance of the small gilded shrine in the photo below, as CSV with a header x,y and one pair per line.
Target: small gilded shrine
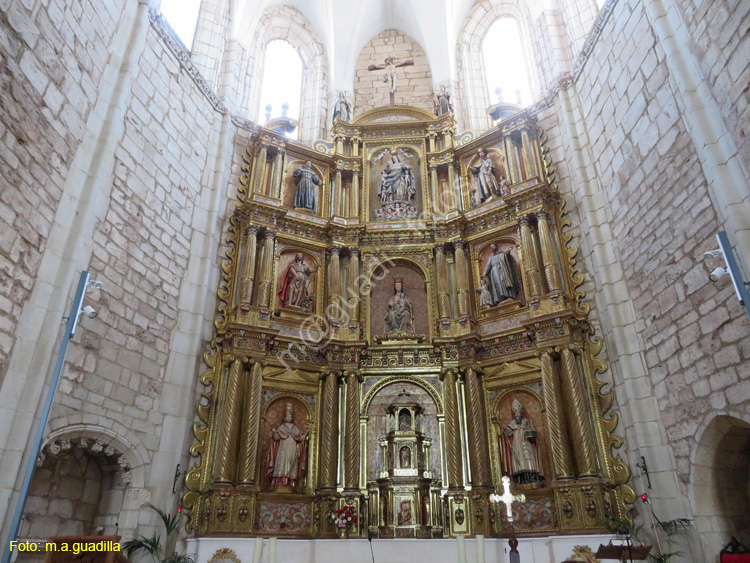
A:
x,y
399,328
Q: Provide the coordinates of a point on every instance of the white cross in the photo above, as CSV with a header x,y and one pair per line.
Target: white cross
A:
x,y
507,498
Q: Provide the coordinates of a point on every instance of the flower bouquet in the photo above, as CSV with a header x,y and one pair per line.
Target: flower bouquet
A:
x,y
344,519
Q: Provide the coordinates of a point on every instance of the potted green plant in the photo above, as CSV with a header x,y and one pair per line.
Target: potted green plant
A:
x,y
153,546
636,549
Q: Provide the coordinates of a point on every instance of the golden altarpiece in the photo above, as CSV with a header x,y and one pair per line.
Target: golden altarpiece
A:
x,y
399,327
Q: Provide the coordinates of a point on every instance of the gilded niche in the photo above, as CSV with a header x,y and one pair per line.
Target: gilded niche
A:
x,y
395,185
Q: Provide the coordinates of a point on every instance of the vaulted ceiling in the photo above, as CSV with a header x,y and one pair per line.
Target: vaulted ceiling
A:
x,y
345,26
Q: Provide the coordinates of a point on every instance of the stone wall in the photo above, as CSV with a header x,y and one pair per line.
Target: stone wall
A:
x,y
52,62
413,83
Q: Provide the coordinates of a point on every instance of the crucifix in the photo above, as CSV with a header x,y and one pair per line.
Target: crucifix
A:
x,y
507,498
390,67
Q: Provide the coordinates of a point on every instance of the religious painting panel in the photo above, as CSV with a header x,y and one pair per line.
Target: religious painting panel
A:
x,y
298,280
399,301
535,514
520,438
285,433
284,518
303,186
486,177
377,426
395,184
497,276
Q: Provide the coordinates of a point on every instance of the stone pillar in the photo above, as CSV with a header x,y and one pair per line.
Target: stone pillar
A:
x,y
452,430
351,438
228,434
338,195
582,432
265,285
329,432
260,169
353,290
549,256
248,268
278,175
443,284
437,208
354,200
529,156
558,435
334,285
530,266
476,423
250,423
462,282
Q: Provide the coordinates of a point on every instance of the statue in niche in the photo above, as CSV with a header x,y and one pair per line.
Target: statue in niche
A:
x,y
502,275
404,421
397,183
443,103
400,315
287,454
519,448
294,290
304,197
404,513
405,457
342,108
485,297
485,177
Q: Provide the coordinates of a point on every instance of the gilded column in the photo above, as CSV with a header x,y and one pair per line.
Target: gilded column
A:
x,y
334,285
351,439
529,156
511,159
278,169
329,435
479,452
353,289
260,169
248,268
559,441
443,283
266,278
462,274
451,196
338,196
226,446
549,257
436,196
530,266
250,423
354,201
452,430
575,400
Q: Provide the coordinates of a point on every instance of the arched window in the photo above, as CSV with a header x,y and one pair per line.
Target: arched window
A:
x,y
505,64
282,82
182,15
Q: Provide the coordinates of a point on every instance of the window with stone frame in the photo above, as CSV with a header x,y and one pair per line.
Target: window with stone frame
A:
x,y
182,16
506,62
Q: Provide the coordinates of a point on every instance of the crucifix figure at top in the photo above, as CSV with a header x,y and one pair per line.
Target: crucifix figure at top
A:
x,y
390,67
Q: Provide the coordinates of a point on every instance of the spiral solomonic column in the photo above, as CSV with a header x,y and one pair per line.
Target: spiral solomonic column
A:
x,y
226,447
549,257
250,434
452,429
558,435
248,268
351,438
329,435
479,451
584,445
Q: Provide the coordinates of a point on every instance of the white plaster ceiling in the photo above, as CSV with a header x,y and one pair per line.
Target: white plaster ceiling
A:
x,y
345,26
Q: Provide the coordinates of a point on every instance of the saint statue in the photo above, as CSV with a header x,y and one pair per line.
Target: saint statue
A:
x,y
304,197
518,447
400,315
405,457
404,421
502,275
443,102
485,297
342,108
485,177
294,289
287,454
397,183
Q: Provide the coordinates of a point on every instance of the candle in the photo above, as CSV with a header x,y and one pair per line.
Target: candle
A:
x,y
480,548
461,549
258,551
272,550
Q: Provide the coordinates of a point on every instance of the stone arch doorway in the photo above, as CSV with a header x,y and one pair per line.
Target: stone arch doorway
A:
x,y
720,477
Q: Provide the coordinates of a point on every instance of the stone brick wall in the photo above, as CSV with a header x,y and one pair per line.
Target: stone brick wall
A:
x,y
413,83
52,61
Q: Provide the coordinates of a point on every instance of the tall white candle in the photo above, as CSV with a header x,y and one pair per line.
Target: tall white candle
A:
x,y
272,550
258,550
461,549
480,548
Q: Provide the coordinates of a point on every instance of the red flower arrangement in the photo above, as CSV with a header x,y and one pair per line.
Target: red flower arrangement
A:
x,y
344,518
